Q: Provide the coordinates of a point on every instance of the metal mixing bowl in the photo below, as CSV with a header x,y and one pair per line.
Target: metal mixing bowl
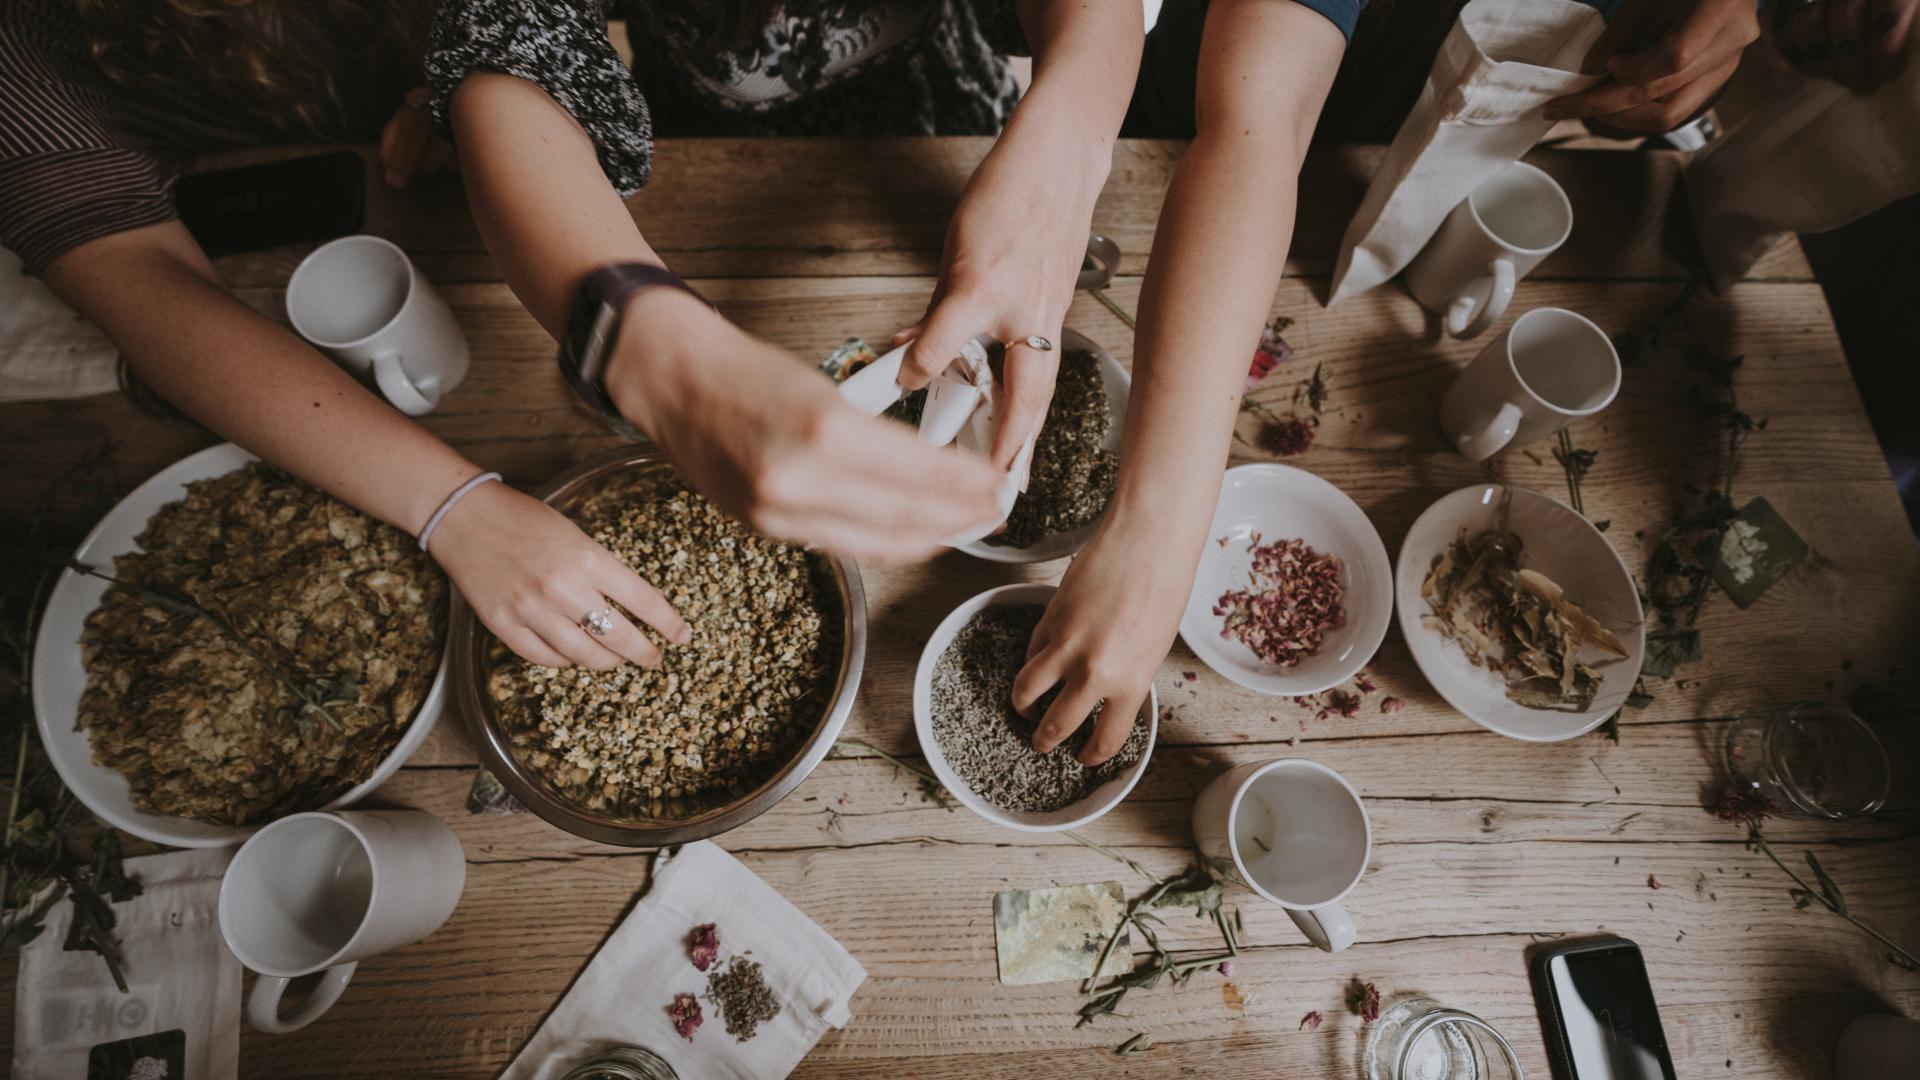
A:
x,y
470,644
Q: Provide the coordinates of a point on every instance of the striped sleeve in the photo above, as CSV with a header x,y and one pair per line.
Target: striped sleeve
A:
x,y
65,178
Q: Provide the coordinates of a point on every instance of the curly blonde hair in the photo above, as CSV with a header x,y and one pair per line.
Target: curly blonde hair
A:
x,y
240,57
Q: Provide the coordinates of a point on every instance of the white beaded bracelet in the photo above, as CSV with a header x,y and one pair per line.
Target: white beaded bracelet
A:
x,y
426,532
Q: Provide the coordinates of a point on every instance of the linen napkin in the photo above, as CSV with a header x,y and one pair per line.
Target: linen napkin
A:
x,y
1479,111
180,1016
621,999
47,351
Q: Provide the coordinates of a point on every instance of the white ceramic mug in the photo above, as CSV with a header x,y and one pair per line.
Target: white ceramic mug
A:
x,y
1293,831
1495,237
363,301
1550,368
323,891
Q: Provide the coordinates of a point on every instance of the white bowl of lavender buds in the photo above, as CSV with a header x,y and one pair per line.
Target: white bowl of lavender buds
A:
x,y
981,749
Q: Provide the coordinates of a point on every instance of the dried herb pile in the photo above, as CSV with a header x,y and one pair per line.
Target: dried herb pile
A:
x,y
261,653
1293,597
720,714
1073,473
988,743
1516,622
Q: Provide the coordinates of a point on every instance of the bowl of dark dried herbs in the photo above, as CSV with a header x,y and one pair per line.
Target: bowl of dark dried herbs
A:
x,y
727,726
1076,460
981,750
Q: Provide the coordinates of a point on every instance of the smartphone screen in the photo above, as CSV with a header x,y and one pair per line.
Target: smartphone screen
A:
x,y
1607,1015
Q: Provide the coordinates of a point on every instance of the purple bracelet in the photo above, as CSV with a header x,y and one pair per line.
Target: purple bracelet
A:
x,y
426,531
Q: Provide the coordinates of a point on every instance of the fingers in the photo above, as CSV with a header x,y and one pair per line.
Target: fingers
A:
x,y
1042,673
1068,711
1111,731
1026,392
1680,58
1888,34
630,591
571,640
1658,117
530,646
404,141
1619,35
952,323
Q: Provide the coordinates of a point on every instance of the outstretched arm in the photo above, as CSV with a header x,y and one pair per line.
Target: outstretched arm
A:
x,y
1218,254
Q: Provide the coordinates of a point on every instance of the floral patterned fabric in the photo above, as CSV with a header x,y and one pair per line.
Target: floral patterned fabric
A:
x,y
819,67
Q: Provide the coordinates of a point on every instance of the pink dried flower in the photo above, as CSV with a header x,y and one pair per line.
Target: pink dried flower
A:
x,y
1391,705
685,1014
1293,597
1226,968
1289,436
1190,676
705,944
1742,805
1652,882
1365,684
1343,703
1312,1021
1362,998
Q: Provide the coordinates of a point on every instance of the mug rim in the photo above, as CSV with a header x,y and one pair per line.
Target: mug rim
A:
x,y
1513,365
1560,193
1233,841
333,959
406,304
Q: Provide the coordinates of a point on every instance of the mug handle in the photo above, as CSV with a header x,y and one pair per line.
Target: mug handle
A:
x,y
1329,928
1461,320
1490,440
398,386
263,1003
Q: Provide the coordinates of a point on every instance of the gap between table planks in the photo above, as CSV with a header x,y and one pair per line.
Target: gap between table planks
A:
x,y
1483,842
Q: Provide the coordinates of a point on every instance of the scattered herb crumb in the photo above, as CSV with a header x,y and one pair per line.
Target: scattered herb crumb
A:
x,y
1391,705
1312,1021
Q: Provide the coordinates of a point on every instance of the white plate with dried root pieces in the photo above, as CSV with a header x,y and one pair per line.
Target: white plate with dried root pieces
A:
x,y
1554,541
60,673
1265,503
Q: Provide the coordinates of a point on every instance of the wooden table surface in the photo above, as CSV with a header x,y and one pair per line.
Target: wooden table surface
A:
x,y
1483,845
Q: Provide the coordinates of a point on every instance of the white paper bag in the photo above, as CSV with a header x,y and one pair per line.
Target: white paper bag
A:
x,y
180,1016
1479,112
1811,156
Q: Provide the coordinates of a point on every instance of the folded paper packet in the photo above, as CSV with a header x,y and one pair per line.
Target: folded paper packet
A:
x,y
621,999
960,409
1479,111
47,351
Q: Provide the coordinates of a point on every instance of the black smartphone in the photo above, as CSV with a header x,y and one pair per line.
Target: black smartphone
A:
x,y
1596,1007
281,202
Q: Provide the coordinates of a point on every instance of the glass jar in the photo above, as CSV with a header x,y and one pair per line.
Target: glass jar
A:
x,y
1420,1039
623,1063
1818,758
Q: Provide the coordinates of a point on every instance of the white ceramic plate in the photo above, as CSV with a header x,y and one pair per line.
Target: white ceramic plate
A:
x,y
1282,502
59,676
1102,799
1060,545
1560,544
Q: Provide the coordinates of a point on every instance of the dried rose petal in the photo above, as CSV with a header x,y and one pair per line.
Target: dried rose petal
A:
x,y
1226,968
1391,705
1365,684
1364,999
1289,436
705,946
1312,1021
1190,676
1652,882
685,1014
1743,806
1293,597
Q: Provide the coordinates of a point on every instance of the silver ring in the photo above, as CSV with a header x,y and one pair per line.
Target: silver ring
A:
x,y
1037,341
597,622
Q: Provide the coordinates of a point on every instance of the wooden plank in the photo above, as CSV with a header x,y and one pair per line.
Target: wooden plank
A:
x,y
880,206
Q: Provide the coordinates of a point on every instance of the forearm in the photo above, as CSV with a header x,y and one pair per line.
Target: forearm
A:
x,y
251,381
1084,59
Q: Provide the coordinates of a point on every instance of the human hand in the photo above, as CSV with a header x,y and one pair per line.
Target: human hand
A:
x,y
408,148
531,576
1102,638
1013,252
767,439
1860,44
1666,60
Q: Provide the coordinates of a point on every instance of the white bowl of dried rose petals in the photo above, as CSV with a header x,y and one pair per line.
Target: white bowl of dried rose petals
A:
x,y
1294,591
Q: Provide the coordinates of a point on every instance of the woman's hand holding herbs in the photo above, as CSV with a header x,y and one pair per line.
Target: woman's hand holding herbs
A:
x,y
1103,638
531,576
764,436
1665,61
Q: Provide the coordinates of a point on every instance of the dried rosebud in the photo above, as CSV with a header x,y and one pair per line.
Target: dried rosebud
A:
x,y
705,946
1652,882
685,1014
1742,805
1312,1021
1364,999
1289,436
1226,968
1190,676
1391,705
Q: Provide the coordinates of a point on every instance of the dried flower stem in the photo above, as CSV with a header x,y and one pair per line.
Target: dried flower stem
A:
x,y
1826,896
1110,304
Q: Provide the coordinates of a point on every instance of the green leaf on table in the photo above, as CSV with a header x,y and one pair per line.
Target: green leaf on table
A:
x,y
1669,648
1832,891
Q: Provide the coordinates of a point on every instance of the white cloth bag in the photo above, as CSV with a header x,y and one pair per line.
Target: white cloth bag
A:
x,y
180,1016
621,999
1809,157
47,350
1479,111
